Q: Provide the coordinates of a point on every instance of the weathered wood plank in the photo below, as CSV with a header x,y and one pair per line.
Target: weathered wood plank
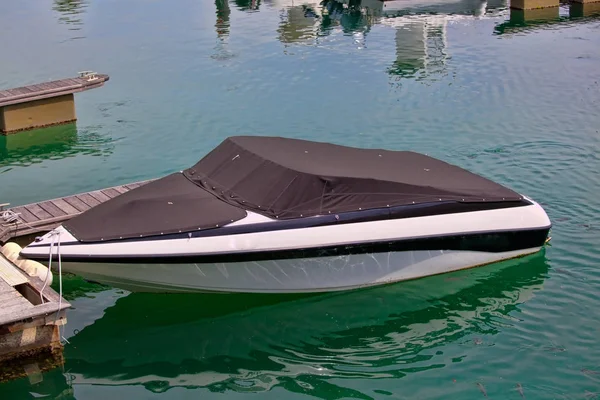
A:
x,y
27,89
64,206
98,195
49,89
15,305
9,274
121,189
131,186
25,214
17,92
87,199
14,301
77,203
38,211
52,85
5,289
7,293
39,310
11,300
13,92
36,88
110,192
72,82
51,209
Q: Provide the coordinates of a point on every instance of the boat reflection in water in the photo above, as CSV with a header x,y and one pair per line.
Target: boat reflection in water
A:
x,y
256,342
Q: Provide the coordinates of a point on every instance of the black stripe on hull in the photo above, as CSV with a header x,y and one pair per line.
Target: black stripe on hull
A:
x,y
381,214
491,242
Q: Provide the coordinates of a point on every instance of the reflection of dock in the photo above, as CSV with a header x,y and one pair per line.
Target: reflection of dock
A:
x,y
50,144
541,18
37,145
44,104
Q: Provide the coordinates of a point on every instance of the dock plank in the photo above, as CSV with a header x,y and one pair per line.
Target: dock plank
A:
x,y
52,209
98,195
38,211
25,214
7,293
15,307
15,304
88,199
12,301
50,89
121,189
77,203
14,92
110,192
10,274
64,206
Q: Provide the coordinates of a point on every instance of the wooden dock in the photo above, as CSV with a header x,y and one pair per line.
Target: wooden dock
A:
x,y
46,215
44,104
31,311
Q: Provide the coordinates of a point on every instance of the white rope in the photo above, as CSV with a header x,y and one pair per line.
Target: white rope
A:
x,y
53,234
11,217
60,290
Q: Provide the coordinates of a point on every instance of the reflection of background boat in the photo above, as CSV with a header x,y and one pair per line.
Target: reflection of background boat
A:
x,y
52,143
224,342
71,12
420,26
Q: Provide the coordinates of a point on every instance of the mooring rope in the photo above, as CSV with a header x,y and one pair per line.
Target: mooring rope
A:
x,y
11,217
55,233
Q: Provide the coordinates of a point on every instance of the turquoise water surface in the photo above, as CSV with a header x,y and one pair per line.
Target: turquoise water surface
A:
x,y
512,96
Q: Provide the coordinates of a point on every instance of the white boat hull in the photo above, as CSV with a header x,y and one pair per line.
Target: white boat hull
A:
x,y
315,259
319,274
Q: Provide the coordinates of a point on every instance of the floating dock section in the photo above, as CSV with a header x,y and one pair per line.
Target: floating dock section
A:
x,y
44,104
31,313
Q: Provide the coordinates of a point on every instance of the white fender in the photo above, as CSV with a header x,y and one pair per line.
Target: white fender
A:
x,y
11,251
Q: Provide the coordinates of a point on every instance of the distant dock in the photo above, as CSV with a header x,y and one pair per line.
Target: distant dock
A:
x,y
46,215
44,104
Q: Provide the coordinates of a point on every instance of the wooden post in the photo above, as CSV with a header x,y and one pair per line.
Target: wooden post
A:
x,y
547,14
533,4
584,8
37,114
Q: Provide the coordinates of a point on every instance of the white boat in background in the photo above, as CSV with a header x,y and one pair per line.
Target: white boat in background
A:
x,y
278,215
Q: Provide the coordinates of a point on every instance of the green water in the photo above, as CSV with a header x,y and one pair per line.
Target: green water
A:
x,y
471,82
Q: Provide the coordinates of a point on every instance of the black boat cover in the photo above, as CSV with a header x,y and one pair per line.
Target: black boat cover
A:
x,y
282,178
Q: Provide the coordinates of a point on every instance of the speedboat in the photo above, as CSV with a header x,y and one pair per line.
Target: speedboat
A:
x,y
280,215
